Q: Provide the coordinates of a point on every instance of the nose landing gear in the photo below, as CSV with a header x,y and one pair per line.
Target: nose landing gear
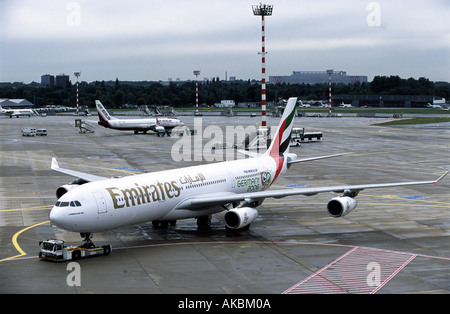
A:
x,y
87,239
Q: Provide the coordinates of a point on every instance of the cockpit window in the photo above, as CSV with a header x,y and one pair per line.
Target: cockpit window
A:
x,y
66,204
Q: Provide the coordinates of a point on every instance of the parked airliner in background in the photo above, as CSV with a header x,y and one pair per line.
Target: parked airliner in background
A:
x,y
17,112
136,125
96,204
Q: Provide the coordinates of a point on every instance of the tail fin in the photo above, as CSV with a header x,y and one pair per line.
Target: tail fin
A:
x,y
280,142
103,114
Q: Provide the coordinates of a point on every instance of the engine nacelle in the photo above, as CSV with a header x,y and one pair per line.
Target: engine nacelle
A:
x,y
341,206
159,128
240,217
64,189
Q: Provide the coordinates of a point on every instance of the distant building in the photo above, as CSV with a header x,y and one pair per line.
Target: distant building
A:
x,y
317,77
62,80
47,80
15,103
225,103
249,104
408,101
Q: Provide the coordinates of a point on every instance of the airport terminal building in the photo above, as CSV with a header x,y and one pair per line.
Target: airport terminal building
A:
x,y
317,77
15,103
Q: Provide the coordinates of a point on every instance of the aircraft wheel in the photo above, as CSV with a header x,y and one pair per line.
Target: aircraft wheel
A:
x,y
106,249
160,224
76,255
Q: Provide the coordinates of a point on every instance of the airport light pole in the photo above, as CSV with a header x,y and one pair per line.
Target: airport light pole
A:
x,y
263,10
77,74
196,73
330,72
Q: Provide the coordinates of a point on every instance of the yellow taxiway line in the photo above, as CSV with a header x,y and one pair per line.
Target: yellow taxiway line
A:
x,y
16,244
42,207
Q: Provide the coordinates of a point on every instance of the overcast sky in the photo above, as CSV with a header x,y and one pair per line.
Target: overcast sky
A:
x,y
158,40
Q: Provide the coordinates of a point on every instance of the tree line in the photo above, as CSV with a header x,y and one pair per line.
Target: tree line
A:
x,y
115,94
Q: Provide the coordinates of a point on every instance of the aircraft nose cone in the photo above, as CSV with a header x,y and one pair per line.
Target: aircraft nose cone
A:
x,y
57,217
54,216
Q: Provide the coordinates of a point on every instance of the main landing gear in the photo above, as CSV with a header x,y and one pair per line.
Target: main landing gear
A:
x,y
203,223
163,224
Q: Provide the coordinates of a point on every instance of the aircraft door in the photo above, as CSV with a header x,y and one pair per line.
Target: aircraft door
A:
x,y
101,202
233,180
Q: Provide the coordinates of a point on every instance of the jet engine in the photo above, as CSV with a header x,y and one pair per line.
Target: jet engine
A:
x,y
341,206
64,189
67,187
240,217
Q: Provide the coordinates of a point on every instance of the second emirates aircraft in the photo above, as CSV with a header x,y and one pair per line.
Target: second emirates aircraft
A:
x,y
95,204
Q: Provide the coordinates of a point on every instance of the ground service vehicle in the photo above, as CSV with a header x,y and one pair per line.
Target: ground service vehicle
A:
x,y
55,250
28,131
299,135
41,132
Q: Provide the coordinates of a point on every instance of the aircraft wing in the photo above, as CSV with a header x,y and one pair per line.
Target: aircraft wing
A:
x,y
85,176
201,201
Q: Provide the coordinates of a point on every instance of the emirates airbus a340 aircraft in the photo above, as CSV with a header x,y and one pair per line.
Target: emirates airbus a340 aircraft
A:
x,y
95,204
136,125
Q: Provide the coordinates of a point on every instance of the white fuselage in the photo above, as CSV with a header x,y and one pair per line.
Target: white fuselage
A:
x,y
17,112
141,124
108,204
131,124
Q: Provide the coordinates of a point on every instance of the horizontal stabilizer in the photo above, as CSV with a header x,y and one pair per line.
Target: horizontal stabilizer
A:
x,y
250,154
316,158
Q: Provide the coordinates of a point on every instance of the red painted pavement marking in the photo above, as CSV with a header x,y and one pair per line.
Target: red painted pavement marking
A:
x,y
360,270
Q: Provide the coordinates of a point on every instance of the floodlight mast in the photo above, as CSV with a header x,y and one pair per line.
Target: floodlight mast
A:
x,y
329,72
196,73
263,10
77,74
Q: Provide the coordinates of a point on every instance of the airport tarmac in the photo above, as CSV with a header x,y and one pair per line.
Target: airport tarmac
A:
x,y
396,241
